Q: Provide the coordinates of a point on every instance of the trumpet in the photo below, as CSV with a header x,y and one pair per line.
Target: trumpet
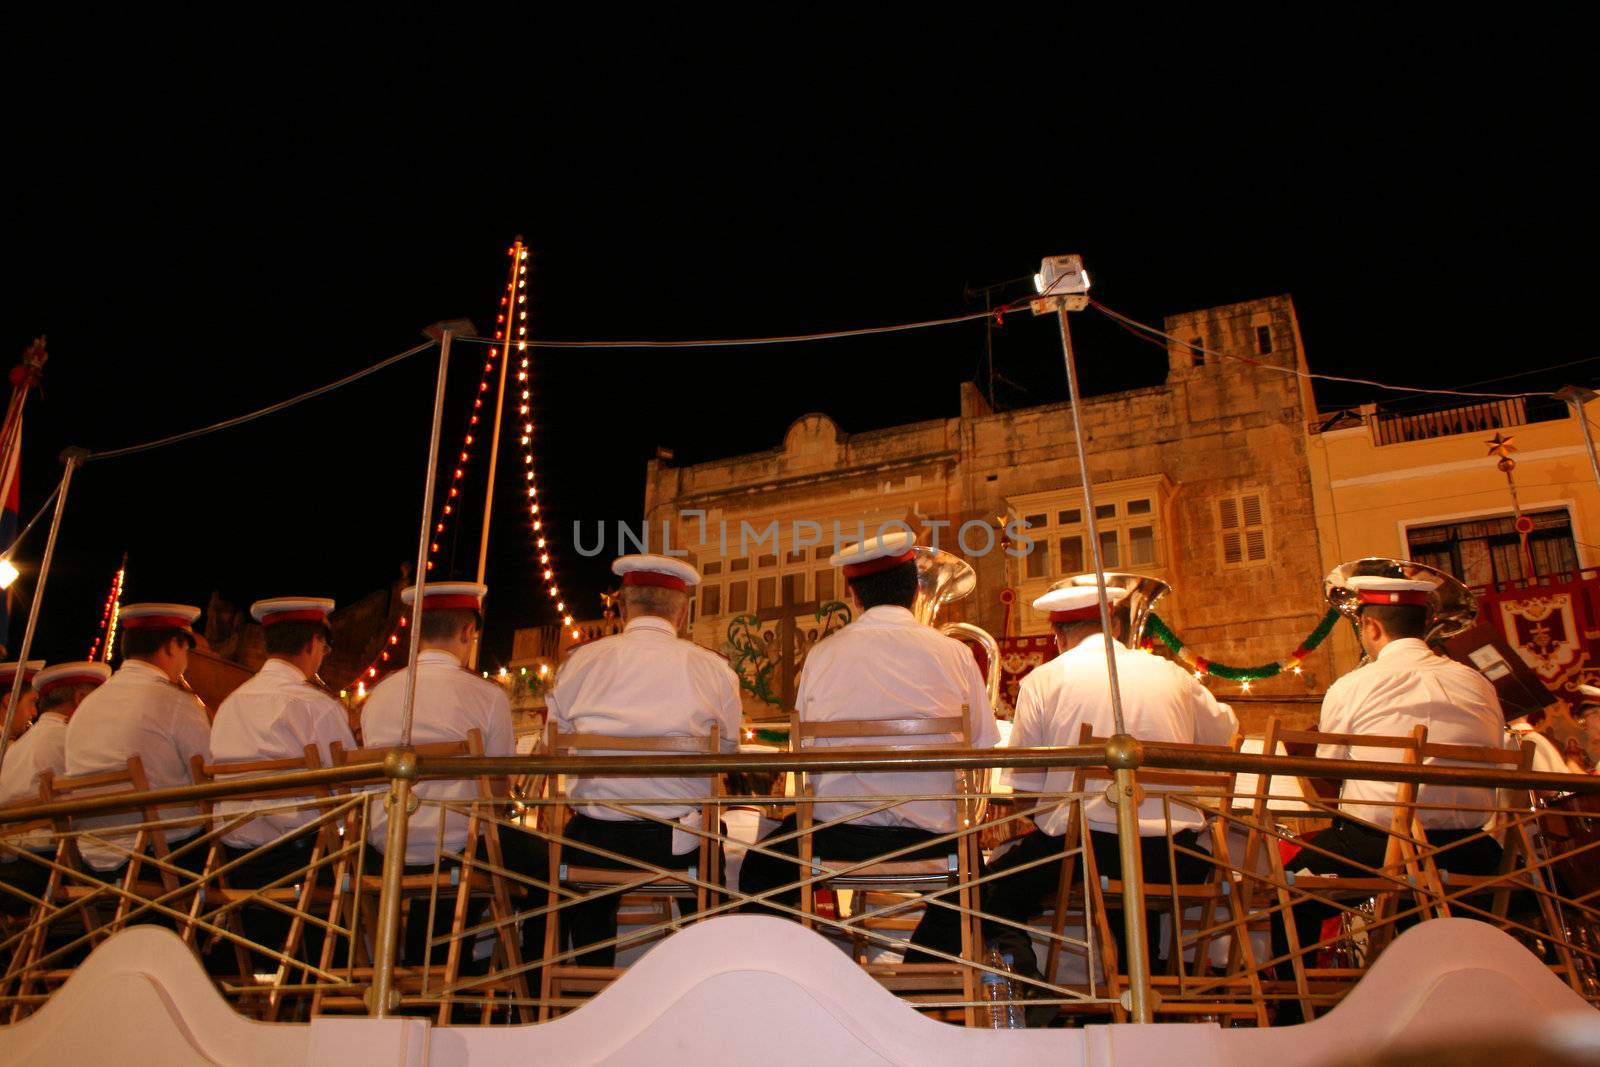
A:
x,y
943,578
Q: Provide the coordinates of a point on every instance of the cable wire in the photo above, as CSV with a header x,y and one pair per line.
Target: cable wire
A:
x,y
271,409
1191,346
49,501
734,342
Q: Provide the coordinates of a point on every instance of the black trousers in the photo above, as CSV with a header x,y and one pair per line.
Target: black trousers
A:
x,y
523,853
1366,846
592,921
1017,896
25,875
939,928
262,867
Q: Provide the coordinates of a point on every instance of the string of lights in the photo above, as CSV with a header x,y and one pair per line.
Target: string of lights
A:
x,y
513,309
525,438
106,638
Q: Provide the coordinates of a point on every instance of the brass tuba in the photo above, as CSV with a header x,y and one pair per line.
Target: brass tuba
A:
x,y
942,578
1451,606
1134,608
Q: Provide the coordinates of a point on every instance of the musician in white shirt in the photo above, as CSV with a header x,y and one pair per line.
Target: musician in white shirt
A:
x,y
143,710
43,749
1404,685
643,682
883,665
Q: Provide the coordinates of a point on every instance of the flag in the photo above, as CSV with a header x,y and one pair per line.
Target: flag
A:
x,y
24,376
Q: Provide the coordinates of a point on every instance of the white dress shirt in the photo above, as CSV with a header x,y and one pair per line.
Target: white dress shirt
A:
x,y
140,712
645,682
450,701
887,665
1160,702
42,748
1407,684
274,716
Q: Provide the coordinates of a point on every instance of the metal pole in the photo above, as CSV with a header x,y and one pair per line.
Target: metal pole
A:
x,y
73,457
400,763
1576,397
409,704
1089,516
517,270
1122,751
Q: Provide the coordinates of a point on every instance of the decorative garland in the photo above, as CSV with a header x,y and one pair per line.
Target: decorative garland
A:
x,y
1156,628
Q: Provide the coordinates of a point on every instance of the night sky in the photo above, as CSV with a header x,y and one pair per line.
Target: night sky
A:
x,y
201,232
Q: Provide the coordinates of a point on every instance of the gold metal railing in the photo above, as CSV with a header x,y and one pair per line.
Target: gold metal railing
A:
x,y
1122,757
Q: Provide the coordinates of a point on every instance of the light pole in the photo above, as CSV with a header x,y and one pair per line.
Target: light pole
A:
x,y
1576,397
1063,286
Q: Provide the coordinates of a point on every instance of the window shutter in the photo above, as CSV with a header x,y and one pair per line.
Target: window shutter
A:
x,y
1252,510
1231,549
1256,545
1230,513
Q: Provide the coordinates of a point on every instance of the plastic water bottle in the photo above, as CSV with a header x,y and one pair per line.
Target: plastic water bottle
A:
x,y
996,989
1015,1017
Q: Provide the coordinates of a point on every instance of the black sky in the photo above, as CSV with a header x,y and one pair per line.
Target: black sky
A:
x,y
201,231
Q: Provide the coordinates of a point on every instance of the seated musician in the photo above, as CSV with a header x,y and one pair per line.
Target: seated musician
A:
x,y
450,701
1406,683
1160,702
644,682
27,700
883,665
274,716
43,748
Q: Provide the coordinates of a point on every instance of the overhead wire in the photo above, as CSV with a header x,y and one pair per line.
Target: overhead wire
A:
x,y
270,409
49,501
1127,321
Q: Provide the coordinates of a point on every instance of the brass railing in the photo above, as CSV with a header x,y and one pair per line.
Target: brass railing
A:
x,y
192,903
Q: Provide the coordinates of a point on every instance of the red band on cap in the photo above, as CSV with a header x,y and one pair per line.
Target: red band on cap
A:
x,y
298,615
655,578
875,566
64,680
450,602
1077,614
155,622
1412,597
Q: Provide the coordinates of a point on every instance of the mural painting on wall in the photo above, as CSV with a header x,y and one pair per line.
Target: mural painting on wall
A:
x,y
754,647
1552,628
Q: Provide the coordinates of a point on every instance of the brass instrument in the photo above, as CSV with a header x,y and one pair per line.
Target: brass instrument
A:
x,y
1134,608
1451,606
942,578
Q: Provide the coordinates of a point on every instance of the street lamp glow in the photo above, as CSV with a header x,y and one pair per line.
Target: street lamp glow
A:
x,y
8,573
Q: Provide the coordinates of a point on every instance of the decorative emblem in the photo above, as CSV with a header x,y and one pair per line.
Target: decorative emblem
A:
x,y
1545,634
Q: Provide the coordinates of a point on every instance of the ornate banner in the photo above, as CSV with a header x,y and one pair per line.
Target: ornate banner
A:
x,y
1018,656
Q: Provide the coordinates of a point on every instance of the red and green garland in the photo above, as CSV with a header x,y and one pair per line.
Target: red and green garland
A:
x,y
1157,630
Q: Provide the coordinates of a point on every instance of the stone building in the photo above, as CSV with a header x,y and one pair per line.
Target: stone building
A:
x,y
1202,482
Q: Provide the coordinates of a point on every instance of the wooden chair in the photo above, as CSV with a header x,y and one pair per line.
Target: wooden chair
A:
x,y
1185,989
566,984
75,891
917,982
473,879
1400,874
311,893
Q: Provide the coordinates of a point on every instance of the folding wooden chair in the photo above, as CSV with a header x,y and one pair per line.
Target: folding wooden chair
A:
x,y
1220,906
1400,874
76,891
566,985
916,982
426,983
313,889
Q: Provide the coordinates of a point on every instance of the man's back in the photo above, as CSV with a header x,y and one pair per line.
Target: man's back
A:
x,y
645,682
273,716
886,665
140,712
1160,702
1408,685
450,702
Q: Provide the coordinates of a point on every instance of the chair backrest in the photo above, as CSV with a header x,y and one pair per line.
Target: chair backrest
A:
x,y
309,760
1409,745
129,778
1209,783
